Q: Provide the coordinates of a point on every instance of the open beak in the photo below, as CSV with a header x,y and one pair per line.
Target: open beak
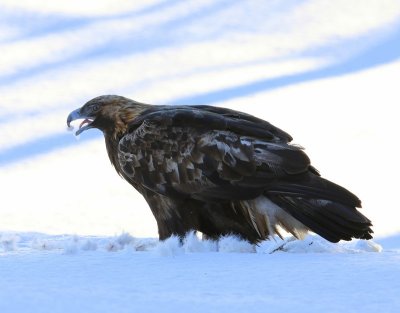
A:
x,y
76,115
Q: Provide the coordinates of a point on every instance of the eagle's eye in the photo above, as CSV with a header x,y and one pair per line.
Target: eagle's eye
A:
x,y
95,108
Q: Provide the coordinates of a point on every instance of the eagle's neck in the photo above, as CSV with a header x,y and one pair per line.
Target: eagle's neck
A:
x,y
112,151
116,125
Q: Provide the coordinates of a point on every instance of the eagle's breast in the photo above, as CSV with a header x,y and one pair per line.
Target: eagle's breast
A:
x,y
161,157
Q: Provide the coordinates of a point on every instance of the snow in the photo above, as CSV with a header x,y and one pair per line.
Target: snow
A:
x,y
74,236
46,274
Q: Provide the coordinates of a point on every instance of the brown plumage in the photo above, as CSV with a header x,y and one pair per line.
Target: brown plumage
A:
x,y
220,172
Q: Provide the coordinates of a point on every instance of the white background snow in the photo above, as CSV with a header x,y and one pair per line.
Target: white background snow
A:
x,y
76,237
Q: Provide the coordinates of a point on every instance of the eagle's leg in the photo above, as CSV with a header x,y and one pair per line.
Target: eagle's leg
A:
x,y
174,216
165,231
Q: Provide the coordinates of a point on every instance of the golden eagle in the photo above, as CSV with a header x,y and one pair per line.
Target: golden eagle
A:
x,y
220,171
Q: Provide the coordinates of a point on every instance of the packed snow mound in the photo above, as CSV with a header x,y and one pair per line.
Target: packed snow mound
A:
x,y
192,243
8,241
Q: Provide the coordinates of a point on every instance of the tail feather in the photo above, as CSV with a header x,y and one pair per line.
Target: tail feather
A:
x,y
331,220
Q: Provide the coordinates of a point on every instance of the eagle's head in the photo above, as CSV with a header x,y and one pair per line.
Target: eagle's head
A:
x,y
110,114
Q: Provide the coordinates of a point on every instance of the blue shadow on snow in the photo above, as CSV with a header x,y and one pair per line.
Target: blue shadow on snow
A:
x,y
385,52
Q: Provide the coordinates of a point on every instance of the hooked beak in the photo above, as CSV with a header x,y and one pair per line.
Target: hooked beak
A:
x,y
76,115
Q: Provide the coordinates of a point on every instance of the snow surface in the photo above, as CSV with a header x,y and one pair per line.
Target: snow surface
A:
x,y
75,237
126,274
